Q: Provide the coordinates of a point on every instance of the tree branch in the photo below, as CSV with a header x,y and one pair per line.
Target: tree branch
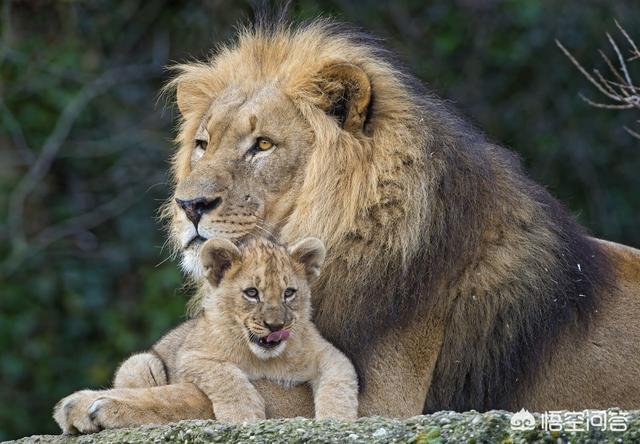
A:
x,y
61,130
622,91
88,220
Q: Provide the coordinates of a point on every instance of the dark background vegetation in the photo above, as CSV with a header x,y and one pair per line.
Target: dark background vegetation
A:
x,y
84,145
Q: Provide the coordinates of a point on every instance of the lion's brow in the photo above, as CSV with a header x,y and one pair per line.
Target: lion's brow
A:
x,y
220,119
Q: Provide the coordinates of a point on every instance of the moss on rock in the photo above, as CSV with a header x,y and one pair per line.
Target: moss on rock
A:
x,y
441,427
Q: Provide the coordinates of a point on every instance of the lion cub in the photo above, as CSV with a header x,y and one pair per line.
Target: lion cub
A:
x,y
255,324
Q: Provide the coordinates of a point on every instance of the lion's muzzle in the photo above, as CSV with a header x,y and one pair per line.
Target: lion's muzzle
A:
x,y
195,208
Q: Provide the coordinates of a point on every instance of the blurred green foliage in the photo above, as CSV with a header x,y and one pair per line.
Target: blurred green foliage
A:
x,y
83,278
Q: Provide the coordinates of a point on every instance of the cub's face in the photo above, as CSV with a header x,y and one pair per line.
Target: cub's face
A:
x,y
262,288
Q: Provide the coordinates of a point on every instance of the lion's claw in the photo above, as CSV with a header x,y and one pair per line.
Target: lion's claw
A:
x,y
85,411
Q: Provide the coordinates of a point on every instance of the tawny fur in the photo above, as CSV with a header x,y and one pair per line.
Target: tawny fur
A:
x,y
212,359
424,219
453,280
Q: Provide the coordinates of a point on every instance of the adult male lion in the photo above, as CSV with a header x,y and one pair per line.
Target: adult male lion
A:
x,y
453,281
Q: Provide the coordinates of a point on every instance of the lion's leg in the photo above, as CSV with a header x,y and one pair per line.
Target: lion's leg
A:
x,y
398,372
90,411
141,370
286,402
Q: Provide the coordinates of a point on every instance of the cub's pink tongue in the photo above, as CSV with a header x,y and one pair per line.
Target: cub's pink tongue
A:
x,y
279,335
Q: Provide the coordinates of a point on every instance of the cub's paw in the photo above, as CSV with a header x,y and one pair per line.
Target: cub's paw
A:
x,y
88,411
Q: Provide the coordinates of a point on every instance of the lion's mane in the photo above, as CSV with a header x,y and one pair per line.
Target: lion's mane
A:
x,y
419,213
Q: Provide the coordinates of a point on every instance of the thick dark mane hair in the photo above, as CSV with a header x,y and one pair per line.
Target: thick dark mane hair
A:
x,y
491,343
442,221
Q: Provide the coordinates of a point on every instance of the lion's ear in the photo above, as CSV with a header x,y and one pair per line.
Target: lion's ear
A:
x,y
217,255
186,95
345,93
309,252
194,86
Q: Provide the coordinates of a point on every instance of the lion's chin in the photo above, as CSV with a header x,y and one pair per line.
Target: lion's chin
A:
x,y
190,262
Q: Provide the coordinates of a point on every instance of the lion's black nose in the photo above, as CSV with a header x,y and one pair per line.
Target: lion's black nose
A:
x,y
195,208
274,325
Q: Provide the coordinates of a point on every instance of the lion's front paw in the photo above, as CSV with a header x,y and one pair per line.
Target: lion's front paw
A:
x,y
72,413
108,413
88,411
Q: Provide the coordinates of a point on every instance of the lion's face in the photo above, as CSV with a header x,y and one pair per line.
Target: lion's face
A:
x,y
261,289
245,165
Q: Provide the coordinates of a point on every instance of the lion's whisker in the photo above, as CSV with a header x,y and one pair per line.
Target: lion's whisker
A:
x,y
264,229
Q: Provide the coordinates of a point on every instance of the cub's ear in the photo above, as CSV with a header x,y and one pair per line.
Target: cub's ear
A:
x,y
345,93
217,255
309,252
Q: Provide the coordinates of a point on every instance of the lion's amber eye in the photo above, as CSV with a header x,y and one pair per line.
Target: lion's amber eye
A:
x,y
264,144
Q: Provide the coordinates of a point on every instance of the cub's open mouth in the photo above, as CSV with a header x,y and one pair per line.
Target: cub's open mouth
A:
x,y
272,340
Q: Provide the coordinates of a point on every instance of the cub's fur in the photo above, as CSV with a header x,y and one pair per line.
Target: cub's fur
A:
x,y
255,325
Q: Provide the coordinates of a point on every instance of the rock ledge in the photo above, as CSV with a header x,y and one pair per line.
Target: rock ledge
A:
x,y
440,427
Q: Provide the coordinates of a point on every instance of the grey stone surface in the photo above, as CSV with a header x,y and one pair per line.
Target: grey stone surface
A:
x,y
441,427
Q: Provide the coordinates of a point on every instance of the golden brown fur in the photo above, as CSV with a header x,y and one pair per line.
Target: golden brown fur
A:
x,y
424,219
216,357
453,280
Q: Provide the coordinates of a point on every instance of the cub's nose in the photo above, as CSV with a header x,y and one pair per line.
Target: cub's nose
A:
x,y
195,208
274,325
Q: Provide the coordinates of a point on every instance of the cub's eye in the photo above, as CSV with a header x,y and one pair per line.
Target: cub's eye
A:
x,y
289,294
264,144
251,294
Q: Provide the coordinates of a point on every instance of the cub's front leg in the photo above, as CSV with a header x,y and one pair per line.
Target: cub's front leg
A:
x,y
233,396
335,389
